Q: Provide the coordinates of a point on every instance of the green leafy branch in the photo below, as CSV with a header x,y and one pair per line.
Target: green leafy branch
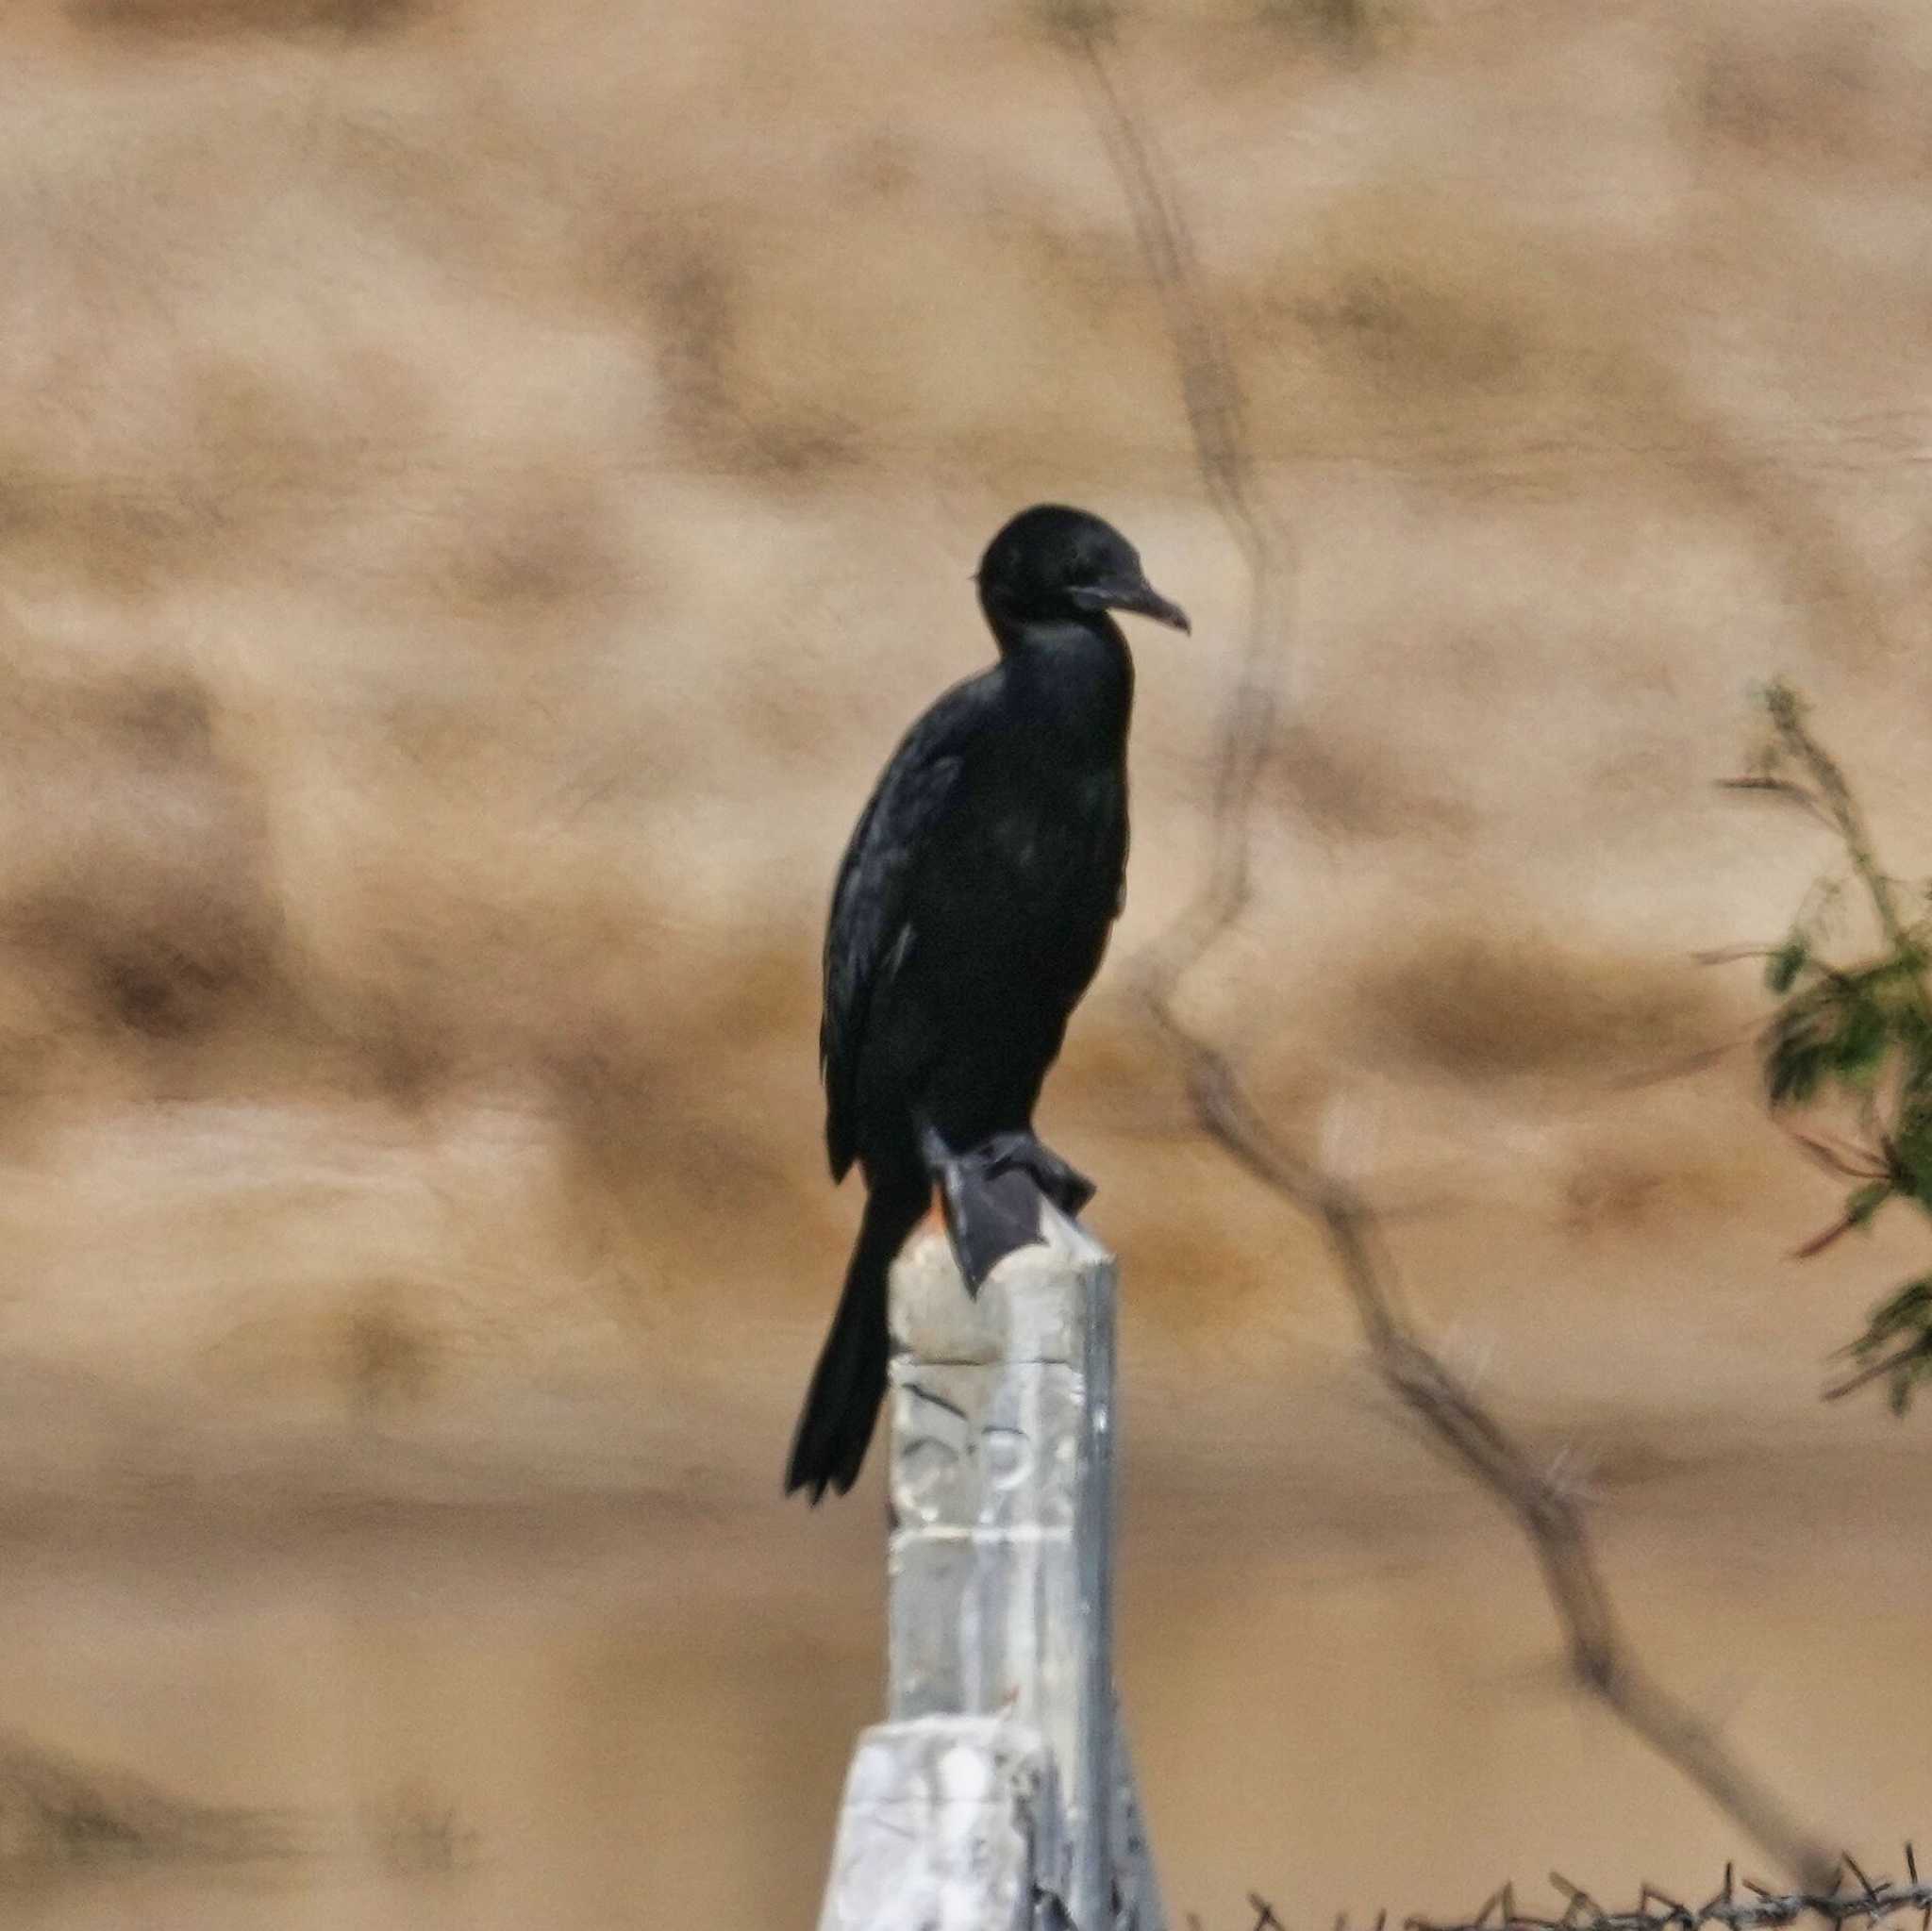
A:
x,y
1850,1042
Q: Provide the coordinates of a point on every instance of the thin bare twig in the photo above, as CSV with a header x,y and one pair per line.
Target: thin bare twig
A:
x,y
1784,788
1848,1161
1599,1654
1888,1364
1834,801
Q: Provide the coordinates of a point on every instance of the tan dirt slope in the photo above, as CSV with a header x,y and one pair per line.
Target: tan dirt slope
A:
x,y
482,485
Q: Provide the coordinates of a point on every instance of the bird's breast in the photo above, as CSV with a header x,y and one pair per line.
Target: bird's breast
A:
x,y
1012,917
1044,848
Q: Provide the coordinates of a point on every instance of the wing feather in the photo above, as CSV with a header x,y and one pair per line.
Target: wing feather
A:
x,y
868,932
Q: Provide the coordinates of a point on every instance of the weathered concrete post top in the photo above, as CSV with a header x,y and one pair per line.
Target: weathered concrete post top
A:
x,y
998,1795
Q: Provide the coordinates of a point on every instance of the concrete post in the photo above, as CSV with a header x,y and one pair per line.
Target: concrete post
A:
x,y
1001,1626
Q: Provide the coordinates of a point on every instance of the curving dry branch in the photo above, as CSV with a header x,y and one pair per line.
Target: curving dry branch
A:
x,y
1599,1652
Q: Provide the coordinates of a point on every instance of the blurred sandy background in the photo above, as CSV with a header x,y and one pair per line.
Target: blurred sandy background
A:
x,y
482,486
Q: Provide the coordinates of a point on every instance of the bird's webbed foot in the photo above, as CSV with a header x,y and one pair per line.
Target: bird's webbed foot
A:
x,y
1068,1188
991,1195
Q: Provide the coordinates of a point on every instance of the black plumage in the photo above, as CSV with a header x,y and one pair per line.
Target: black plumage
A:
x,y
971,911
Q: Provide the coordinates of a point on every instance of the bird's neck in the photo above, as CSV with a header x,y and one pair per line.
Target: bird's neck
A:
x,y
1074,680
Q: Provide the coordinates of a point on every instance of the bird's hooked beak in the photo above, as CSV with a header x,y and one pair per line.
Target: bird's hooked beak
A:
x,y
1136,595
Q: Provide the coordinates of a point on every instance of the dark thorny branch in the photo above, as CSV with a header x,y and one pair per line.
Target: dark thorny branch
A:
x,y
1599,1654
1859,1901
1855,1035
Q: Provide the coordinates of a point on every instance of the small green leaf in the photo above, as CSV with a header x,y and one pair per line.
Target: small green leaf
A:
x,y
1791,1076
1911,1026
1859,1045
1906,1311
1906,1317
1781,971
1795,1057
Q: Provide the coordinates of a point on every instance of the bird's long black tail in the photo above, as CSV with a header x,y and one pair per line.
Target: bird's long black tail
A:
x,y
841,1406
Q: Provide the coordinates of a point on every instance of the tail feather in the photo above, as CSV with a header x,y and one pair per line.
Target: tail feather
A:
x,y
841,1406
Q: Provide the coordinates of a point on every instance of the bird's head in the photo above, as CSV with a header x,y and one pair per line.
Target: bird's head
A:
x,y
1052,564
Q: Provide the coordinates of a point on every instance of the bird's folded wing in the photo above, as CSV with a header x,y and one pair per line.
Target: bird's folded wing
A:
x,y
867,935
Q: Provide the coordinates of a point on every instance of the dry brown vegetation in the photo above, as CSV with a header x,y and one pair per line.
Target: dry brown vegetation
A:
x,y
480,489
58,1817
